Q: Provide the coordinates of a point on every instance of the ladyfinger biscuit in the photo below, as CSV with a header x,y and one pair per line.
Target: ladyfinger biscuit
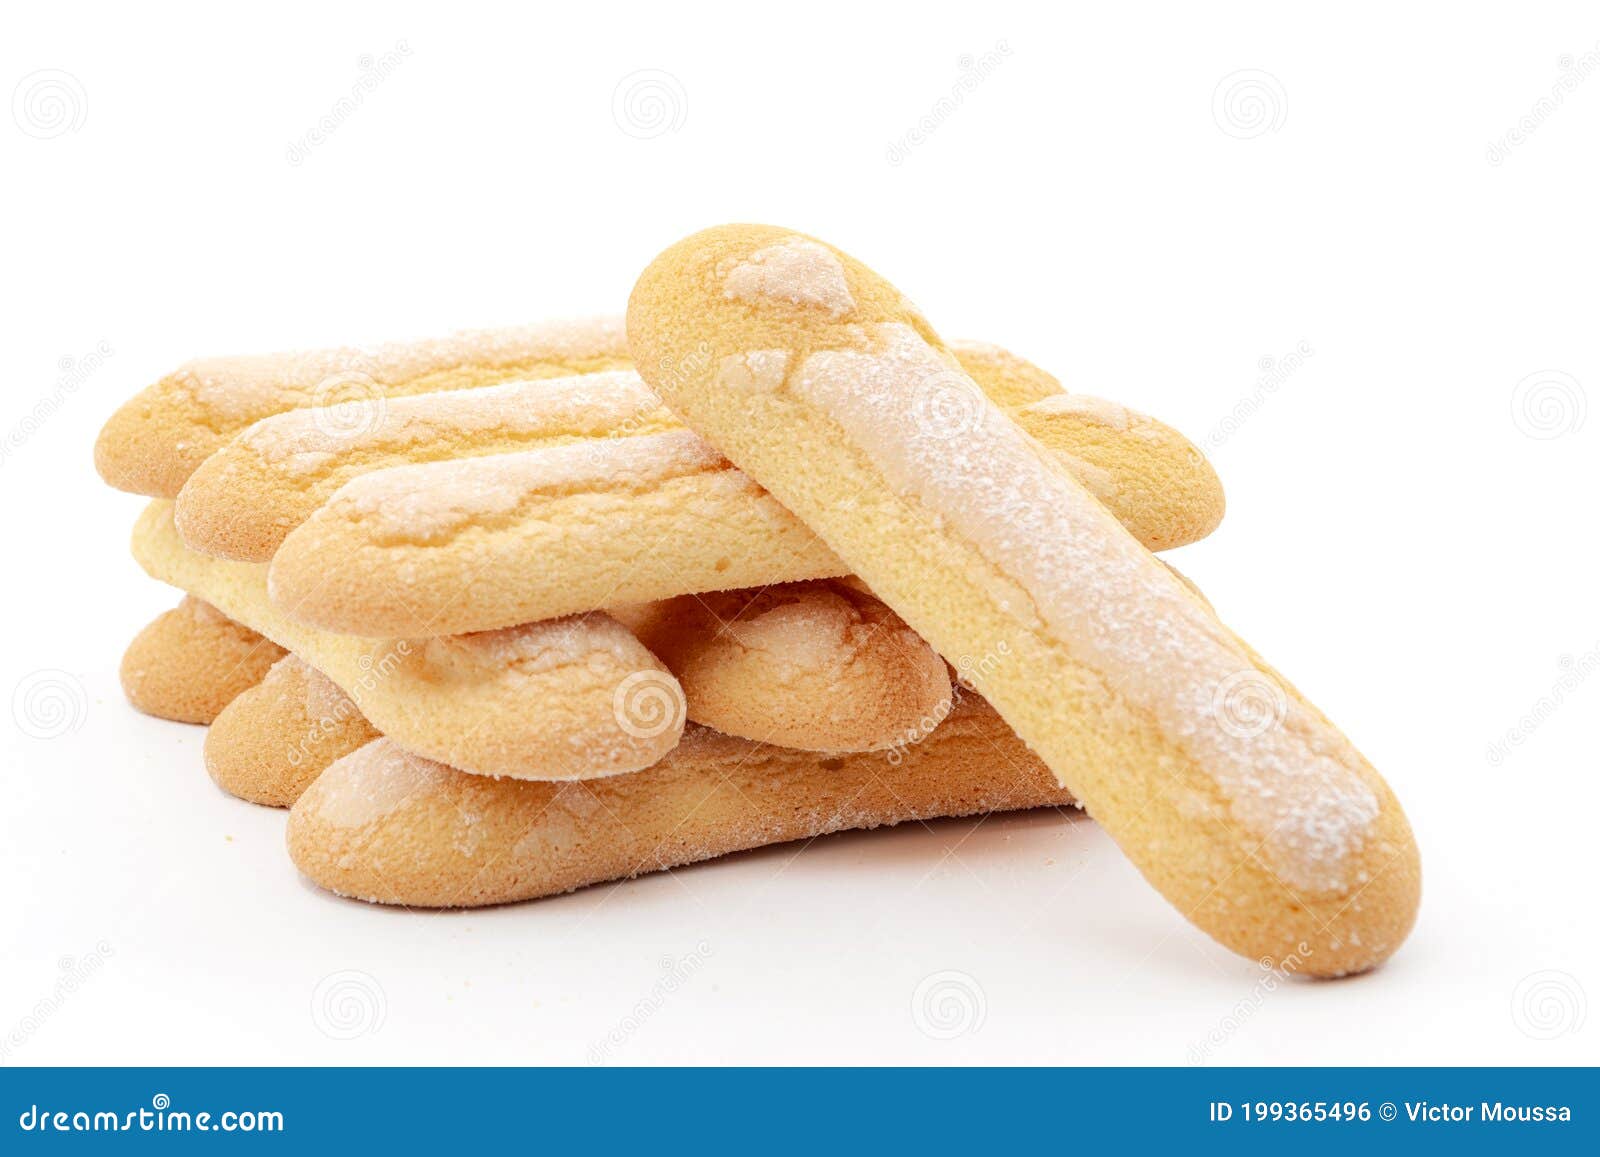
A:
x,y
569,528
392,828
154,442
276,737
191,661
243,500
819,666
1231,793
563,699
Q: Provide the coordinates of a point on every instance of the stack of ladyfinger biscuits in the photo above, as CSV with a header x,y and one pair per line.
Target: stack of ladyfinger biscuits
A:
x,y
508,613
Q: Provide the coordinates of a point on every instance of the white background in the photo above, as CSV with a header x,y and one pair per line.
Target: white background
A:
x,y
1410,535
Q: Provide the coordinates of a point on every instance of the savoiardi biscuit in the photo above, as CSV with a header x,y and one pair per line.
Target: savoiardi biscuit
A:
x,y
387,826
560,699
476,543
190,662
820,665
243,500
1232,794
160,436
276,737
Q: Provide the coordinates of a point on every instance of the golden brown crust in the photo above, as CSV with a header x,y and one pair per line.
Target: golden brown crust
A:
x,y
565,528
190,663
1266,828
388,827
161,436
547,700
271,742
819,666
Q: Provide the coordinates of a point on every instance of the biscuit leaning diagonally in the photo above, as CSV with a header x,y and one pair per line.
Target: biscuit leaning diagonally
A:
x,y
551,700
1233,795
386,826
157,439
571,527
243,500
192,661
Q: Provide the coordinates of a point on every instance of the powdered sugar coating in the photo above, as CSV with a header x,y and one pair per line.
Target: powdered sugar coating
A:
x,y
371,782
240,388
1295,786
437,498
586,402
798,271
755,370
535,648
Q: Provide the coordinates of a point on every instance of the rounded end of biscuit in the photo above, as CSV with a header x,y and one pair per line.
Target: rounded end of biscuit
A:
x,y
569,699
271,743
191,662
147,447
815,666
